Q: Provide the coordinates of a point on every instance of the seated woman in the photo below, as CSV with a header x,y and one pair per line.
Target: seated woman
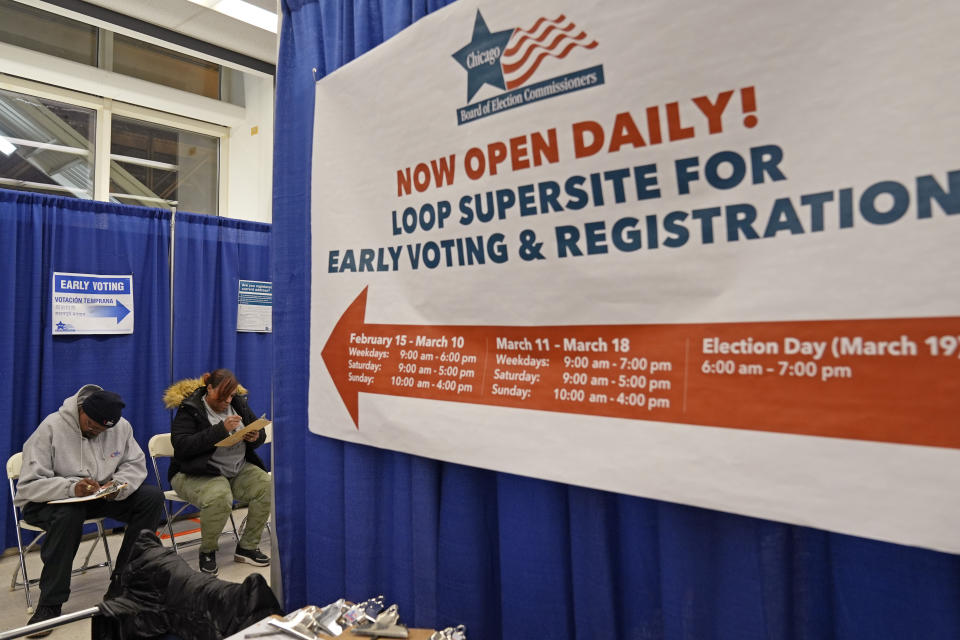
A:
x,y
212,477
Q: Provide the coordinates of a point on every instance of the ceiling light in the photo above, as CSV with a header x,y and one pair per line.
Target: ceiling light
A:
x,y
243,11
6,147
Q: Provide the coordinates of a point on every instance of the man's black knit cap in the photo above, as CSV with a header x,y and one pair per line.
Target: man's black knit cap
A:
x,y
103,407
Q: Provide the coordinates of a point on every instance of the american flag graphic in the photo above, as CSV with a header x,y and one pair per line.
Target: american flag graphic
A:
x,y
528,48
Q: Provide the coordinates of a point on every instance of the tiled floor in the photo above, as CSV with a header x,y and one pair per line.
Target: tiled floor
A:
x,y
87,589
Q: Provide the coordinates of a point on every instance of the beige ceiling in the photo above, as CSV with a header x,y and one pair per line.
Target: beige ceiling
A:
x,y
203,24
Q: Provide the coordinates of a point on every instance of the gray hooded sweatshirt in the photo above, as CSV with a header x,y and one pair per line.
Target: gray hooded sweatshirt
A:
x,y
57,456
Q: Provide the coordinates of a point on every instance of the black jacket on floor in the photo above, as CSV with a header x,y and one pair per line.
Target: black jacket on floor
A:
x,y
159,593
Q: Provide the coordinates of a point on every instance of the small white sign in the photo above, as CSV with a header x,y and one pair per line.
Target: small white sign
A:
x,y
255,309
87,303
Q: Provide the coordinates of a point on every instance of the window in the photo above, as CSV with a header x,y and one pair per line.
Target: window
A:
x,y
55,35
30,28
46,146
62,142
163,66
155,165
150,158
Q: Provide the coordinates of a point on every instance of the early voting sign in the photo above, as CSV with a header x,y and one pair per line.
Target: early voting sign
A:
x,y
85,303
705,254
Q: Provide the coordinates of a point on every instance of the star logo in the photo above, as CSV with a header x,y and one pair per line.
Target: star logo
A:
x,y
481,57
61,326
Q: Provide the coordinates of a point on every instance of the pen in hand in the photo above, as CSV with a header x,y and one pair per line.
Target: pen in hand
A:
x,y
232,423
86,487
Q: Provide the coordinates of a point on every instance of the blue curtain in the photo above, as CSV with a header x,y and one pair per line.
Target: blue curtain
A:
x,y
211,255
515,557
43,234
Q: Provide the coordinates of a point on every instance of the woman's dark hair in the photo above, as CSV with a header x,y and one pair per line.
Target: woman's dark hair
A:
x,y
222,380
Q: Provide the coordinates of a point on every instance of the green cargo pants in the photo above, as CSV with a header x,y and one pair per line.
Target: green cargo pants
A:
x,y
214,496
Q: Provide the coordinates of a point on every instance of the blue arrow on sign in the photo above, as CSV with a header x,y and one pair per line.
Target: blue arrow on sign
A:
x,y
108,311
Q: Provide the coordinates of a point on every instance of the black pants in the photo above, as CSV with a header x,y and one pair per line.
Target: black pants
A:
x,y
63,523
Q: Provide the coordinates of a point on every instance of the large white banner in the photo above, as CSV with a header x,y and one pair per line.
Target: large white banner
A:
x,y
706,254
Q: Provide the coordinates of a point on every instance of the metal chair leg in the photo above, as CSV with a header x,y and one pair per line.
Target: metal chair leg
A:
x,y
236,535
23,569
173,538
106,547
96,541
234,530
101,538
243,527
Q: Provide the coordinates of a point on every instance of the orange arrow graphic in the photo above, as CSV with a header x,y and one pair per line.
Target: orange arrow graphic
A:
x,y
889,380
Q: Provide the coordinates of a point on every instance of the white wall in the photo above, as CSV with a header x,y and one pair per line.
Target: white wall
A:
x,y
250,175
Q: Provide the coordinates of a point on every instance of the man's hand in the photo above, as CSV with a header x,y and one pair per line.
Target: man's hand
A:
x,y
86,487
110,496
252,436
232,423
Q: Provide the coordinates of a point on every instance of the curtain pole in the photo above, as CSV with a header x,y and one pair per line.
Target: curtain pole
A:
x,y
173,243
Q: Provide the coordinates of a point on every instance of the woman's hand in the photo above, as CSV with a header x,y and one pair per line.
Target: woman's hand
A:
x,y
232,423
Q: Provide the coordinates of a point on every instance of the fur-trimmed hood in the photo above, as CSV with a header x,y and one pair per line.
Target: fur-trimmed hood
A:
x,y
178,391
194,436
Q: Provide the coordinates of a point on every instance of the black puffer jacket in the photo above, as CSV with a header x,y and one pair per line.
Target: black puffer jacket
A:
x,y
194,438
157,593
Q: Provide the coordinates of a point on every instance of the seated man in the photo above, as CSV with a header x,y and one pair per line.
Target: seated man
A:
x,y
73,453
212,477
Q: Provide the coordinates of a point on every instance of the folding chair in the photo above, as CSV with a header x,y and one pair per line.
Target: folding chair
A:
x,y
14,463
160,446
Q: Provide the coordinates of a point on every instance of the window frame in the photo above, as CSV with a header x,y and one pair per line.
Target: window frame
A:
x,y
105,108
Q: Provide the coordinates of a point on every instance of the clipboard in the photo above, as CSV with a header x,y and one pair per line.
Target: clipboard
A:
x,y
237,435
102,491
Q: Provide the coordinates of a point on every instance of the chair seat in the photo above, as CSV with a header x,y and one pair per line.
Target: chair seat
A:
x,y
29,527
